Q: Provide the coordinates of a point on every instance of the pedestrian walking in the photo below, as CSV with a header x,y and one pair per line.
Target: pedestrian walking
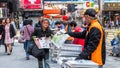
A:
x,y
94,47
25,21
2,28
39,33
38,24
9,34
1,32
13,23
28,29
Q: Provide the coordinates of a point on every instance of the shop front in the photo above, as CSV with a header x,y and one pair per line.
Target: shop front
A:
x,y
111,11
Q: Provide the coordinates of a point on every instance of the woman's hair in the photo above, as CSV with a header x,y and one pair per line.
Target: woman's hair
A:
x,y
1,20
12,19
73,23
46,20
6,20
30,22
57,22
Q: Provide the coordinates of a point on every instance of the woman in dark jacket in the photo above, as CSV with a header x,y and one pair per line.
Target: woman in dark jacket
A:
x,y
43,32
8,35
2,30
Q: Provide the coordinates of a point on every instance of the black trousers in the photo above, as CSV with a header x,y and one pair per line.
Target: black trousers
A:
x,y
40,61
2,43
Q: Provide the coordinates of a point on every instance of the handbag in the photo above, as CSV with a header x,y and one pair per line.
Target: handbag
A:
x,y
35,51
22,38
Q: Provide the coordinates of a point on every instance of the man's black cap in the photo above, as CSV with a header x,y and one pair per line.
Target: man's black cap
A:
x,y
91,12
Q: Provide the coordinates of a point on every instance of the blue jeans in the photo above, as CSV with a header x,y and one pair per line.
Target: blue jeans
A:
x,y
26,45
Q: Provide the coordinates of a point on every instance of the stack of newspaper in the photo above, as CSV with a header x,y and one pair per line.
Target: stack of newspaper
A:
x,y
70,50
80,64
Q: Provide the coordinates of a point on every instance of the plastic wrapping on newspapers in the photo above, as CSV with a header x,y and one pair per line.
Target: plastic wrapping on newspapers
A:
x,y
80,64
59,38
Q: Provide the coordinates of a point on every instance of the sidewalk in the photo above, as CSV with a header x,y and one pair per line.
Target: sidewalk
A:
x,y
17,58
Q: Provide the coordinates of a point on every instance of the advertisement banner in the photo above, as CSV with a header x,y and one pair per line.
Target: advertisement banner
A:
x,y
31,4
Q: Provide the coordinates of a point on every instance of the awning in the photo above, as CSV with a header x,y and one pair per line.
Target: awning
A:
x,y
51,11
53,15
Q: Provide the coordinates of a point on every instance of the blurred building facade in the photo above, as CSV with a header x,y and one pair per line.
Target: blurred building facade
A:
x,y
8,7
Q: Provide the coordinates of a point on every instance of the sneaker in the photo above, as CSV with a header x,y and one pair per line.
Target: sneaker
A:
x,y
8,53
27,58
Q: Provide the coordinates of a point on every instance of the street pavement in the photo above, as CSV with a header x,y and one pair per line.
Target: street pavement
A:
x,y
111,62
17,58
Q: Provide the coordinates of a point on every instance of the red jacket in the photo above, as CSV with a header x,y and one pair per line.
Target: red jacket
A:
x,y
77,40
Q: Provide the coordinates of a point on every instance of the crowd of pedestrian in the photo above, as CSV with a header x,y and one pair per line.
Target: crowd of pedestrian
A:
x,y
7,33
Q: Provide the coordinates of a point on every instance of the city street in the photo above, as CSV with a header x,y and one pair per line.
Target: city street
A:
x,y
61,14
17,59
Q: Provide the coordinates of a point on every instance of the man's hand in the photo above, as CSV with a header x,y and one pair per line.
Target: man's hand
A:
x,y
78,58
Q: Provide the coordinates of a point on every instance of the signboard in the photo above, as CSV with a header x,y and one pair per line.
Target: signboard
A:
x,y
31,4
112,6
61,0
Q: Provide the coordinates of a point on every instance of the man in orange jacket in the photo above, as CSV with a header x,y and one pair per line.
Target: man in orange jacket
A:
x,y
94,47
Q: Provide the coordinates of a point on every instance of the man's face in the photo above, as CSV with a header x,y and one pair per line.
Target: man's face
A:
x,y
87,19
40,19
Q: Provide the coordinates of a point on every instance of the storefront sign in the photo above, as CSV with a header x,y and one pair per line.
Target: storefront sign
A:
x,y
112,6
31,4
89,4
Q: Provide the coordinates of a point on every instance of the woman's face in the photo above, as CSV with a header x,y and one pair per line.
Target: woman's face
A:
x,y
7,20
45,24
72,27
3,21
58,25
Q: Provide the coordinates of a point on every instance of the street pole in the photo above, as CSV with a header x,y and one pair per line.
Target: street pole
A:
x,y
100,3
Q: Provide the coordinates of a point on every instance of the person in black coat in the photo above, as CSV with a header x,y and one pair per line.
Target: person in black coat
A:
x,y
94,35
2,30
38,25
25,22
39,33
